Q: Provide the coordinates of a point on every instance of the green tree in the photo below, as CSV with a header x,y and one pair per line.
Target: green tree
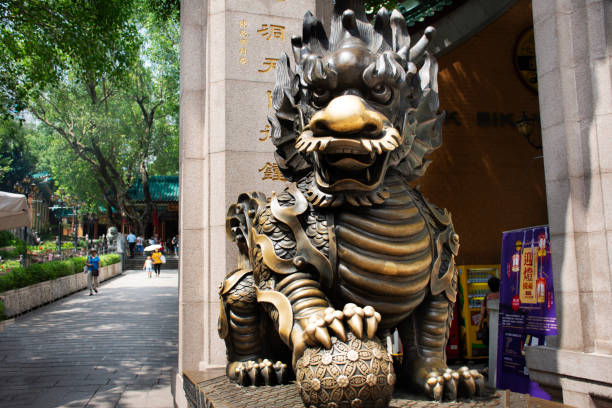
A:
x,y
16,158
372,6
40,40
112,130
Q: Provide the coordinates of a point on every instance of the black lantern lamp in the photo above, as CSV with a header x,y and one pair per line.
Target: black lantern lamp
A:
x,y
525,126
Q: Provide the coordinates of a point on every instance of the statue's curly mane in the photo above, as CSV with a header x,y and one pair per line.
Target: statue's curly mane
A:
x,y
410,67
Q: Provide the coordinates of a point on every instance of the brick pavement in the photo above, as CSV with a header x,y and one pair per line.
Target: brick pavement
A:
x,y
115,349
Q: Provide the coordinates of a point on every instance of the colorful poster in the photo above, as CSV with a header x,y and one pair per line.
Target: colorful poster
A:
x,y
526,305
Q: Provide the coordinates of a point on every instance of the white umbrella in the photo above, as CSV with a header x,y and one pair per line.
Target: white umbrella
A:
x,y
152,247
14,211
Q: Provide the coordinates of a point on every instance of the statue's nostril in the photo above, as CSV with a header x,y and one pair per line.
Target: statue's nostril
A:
x,y
321,126
370,128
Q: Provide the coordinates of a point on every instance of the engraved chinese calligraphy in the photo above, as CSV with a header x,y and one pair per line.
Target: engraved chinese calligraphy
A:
x,y
268,64
243,42
271,172
272,31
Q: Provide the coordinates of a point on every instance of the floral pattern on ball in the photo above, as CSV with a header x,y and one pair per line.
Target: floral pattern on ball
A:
x,y
355,373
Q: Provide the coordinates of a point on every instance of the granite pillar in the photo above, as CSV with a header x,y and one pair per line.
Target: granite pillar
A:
x,y
573,48
228,54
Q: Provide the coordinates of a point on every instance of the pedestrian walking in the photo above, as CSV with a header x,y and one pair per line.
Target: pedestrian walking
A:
x,y
148,266
140,245
131,239
93,270
157,261
175,243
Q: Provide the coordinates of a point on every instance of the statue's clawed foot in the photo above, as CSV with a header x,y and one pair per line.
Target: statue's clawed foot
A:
x,y
441,382
318,327
257,373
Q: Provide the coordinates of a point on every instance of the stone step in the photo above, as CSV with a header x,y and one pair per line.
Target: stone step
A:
x,y
135,263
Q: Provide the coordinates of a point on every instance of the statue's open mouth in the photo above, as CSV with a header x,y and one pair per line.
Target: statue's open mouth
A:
x,y
355,163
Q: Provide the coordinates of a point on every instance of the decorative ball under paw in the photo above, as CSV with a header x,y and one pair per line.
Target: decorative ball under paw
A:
x,y
356,374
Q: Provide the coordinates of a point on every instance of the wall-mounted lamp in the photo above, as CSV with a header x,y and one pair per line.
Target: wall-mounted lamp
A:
x,y
525,126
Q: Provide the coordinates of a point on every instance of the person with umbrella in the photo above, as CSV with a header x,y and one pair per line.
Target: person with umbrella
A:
x,y
157,261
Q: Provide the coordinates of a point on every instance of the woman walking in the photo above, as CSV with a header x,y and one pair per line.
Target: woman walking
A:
x,y
157,261
93,266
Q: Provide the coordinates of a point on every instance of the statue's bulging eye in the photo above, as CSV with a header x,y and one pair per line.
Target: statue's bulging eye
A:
x,y
382,93
320,92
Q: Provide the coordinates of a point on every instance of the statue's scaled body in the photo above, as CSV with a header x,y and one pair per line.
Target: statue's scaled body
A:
x,y
349,251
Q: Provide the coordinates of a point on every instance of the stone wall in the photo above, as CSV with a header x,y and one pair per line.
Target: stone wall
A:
x,y
228,54
21,300
485,173
574,57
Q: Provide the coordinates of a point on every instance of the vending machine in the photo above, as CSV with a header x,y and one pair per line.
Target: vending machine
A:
x,y
473,289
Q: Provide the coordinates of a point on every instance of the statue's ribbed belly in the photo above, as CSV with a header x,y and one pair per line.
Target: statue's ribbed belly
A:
x,y
384,256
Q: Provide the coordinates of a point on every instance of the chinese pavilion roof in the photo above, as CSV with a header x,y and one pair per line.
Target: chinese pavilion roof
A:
x,y
162,188
417,11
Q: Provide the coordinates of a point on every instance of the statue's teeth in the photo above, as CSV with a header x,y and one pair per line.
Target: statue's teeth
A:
x,y
366,143
388,145
376,146
368,176
323,144
299,143
395,134
312,146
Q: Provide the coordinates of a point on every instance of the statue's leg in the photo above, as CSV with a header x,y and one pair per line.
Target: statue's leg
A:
x,y
424,336
241,326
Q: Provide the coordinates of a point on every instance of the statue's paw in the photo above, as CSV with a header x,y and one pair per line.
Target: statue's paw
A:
x,y
331,321
450,384
257,373
357,317
318,327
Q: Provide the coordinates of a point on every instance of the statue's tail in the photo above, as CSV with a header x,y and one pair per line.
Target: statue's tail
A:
x,y
237,287
239,221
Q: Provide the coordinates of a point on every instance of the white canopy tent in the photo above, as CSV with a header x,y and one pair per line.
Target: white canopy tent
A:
x,y
14,211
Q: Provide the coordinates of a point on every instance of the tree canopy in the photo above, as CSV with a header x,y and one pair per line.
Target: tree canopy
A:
x,y
16,158
40,40
100,78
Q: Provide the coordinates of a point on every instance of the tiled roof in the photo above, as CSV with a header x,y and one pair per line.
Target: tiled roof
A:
x,y
162,188
416,11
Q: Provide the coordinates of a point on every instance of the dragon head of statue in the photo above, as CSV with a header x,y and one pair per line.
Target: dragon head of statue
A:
x,y
359,104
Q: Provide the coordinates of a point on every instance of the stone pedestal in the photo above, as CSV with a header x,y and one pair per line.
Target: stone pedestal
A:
x,y
212,389
573,46
228,54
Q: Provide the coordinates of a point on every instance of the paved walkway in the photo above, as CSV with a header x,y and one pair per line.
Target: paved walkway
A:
x,y
114,349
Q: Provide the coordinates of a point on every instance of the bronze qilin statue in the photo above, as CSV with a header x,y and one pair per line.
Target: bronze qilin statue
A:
x,y
349,252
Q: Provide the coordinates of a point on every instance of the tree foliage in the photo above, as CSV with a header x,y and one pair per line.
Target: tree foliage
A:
x,y
16,158
106,103
372,6
40,40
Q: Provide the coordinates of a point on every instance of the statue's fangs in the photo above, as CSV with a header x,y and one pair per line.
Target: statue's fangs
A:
x,y
349,252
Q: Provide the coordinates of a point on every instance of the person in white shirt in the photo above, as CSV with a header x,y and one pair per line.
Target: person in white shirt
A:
x,y
140,245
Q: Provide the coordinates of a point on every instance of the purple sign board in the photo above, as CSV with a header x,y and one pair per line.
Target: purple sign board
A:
x,y
526,305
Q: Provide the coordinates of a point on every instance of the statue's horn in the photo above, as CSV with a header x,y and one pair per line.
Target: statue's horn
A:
x,y
340,6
